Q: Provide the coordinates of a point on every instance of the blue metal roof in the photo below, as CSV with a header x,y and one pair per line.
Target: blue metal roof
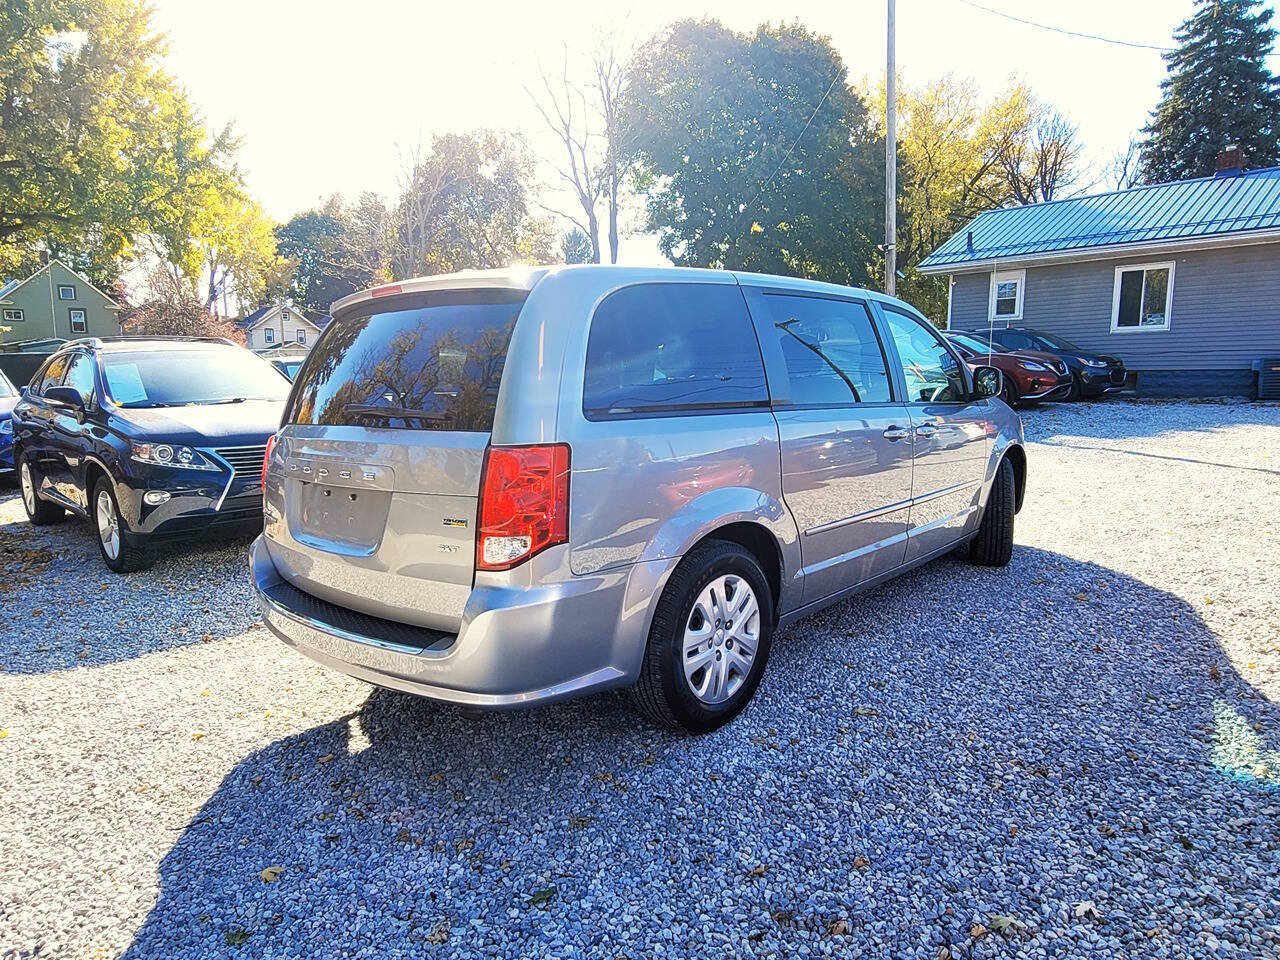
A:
x,y
1141,216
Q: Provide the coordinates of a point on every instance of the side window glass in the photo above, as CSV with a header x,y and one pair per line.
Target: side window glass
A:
x,y
1016,341
80,376
672,346
932,372
830,349
52,375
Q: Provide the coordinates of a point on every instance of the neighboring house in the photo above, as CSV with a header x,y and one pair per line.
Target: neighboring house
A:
x,y
1180,280
56,302
279,329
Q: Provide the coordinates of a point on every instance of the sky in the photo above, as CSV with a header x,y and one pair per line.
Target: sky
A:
x,y
330,96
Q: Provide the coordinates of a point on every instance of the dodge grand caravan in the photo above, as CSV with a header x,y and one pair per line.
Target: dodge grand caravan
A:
x,y
507,488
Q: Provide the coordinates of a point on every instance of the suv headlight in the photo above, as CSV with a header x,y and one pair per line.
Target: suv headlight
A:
x,y
1093,363
170,455
1033,366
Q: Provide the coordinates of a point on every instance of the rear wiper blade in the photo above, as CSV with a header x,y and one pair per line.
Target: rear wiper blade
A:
x,y
396,413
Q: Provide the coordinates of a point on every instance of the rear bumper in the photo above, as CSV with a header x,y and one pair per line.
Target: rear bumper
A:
x,y
518,645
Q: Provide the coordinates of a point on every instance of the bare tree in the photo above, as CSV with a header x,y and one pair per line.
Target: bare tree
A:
x,y
1042,161
1125,170
593,150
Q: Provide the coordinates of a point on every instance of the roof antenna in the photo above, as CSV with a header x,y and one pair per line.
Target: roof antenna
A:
x,y
968,243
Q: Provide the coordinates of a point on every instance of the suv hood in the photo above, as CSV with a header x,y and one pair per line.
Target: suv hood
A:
x,y
204,425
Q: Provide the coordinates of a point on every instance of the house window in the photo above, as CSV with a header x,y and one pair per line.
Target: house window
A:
x,y
14,316
1006,295
284,314
1143,297
66,291
302,335
78,324
270,335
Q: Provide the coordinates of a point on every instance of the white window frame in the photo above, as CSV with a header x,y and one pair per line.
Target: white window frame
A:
x,y
269,334
1004,276
13,315
301,334
1168,298
67,286
83,320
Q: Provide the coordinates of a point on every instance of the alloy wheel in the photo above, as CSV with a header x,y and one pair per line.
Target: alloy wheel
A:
x,y
108,525
28,487
720,638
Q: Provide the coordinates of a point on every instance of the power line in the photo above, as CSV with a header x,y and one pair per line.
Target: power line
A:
x,y
1064,31
790,150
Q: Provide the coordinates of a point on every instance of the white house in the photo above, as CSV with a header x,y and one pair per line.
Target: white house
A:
x,y
279,329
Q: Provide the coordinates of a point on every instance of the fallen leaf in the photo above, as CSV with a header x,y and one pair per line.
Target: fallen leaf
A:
x,y
325,758
759,871
234,938
579,822
436,778
198,735
1082,596
783,918
439,933
860,862
271,874
1013,830
944,952
540,898
1215,673
1003,923
866,712
463,845
977,932
1088,910
837,928
1107,830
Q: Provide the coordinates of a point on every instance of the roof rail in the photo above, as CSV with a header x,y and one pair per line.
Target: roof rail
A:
x,y
127,338
83,342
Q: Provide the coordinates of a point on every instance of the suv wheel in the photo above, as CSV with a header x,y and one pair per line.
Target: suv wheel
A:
x,y
993,546
1009,393
39,512
122,552
709,641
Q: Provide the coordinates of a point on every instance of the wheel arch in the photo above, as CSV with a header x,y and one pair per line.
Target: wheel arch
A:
x,y
761,544
1017,458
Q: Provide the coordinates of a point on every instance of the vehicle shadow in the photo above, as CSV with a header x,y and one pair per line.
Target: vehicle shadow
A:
x,y
911,762
60,607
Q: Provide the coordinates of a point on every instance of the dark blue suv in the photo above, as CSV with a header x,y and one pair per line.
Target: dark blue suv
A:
x,y
8,398
149,438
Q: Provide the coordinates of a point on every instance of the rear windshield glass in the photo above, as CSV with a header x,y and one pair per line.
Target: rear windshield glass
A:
x,y
672,346
178,377
433,365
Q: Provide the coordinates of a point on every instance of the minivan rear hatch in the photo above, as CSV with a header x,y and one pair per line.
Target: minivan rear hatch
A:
x,y
382,449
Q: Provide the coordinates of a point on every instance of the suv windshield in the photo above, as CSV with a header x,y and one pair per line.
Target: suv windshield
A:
x,y
1049,342
432,363
974,344
178,377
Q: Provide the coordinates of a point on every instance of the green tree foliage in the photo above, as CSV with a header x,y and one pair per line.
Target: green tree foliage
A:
x,y
575,247
98,145
1218,92
465,205
715,114
335,250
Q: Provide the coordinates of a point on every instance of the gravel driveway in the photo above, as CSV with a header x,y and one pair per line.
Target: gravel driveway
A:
x,y
1078,755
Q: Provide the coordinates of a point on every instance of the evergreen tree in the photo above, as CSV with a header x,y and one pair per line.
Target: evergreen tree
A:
x,y
1218,92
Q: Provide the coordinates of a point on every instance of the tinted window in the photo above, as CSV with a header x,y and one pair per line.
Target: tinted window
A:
x,y
80,376
1014,340
177,377
51,376
932,372
830,348
672,346
435,365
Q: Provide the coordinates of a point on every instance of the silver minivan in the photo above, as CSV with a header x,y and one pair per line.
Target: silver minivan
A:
x,y
506,488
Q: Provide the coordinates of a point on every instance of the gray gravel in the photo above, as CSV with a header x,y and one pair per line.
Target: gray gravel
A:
x,y
1086,743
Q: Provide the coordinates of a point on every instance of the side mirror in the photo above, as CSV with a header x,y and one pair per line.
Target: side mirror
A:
x,y
987,381
66,397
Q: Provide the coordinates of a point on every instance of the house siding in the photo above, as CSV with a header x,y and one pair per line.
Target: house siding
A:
x,y
256,338
1225,314
44,315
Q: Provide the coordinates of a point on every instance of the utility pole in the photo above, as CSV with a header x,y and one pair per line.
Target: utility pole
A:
x,y
891,164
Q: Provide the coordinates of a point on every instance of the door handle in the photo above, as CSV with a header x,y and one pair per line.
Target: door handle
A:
x,y
896,433
926,430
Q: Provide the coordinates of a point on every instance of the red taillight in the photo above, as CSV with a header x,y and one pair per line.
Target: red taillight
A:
x,y
387,291
524,504
266,459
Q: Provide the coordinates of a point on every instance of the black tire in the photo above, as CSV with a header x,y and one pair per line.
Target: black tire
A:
x,y
39,512
132,553
993,545
1008,392
663,693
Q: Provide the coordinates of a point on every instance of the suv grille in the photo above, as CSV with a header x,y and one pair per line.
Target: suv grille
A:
x,y
243,459
1059,367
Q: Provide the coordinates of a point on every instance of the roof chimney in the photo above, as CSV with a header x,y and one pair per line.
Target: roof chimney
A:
x,y
1230,161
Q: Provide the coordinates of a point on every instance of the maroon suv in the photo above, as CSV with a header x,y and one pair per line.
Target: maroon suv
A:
x,y
1029,375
